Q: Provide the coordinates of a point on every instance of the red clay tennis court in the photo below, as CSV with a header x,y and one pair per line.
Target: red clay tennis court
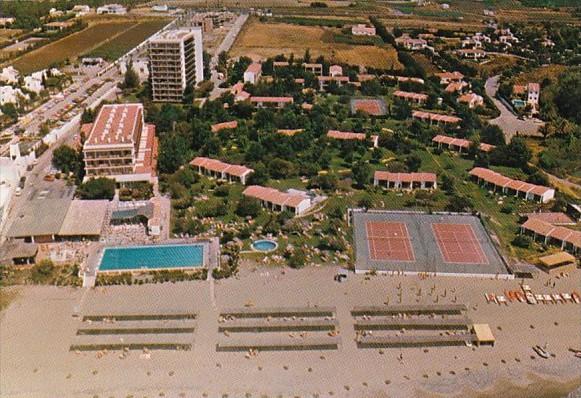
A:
x,y
389,241
458,244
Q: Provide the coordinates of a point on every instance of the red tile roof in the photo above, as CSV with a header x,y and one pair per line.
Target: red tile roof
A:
x,y
220,167
410,95
435,117
272,99
224,125
404,177
274,196
450,75
146,161
346,135
460,142
289,132
117,124
455,86
554,218
254,68
534,87
502,181
548,230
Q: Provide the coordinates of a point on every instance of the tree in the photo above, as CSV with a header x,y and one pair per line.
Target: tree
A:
x,y
362,173
173,153
459,203
297,259
401,109
88,116
131,79
97,188
515,154
188,97
260,175
568,94
66,159
413,162
248,207
492,134
448,183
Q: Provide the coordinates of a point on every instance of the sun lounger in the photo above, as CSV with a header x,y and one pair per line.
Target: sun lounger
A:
x,y
501,300
566,297
548,298
557,297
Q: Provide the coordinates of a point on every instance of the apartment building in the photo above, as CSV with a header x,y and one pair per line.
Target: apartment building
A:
x,y
175,61
120,145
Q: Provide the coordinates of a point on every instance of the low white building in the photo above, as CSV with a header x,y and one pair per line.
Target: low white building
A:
x,y
33,83
116,9
297,202
6,22
140,66
80,9
9,75
253,73
533,93
11,95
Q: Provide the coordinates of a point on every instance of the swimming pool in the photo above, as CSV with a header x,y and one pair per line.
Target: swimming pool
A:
x,y
152,257
264,245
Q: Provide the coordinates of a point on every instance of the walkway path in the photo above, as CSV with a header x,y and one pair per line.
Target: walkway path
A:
x,y
507,120
224,46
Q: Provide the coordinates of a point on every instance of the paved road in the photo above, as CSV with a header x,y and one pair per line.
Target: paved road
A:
x,y
507,121
224,46
74,96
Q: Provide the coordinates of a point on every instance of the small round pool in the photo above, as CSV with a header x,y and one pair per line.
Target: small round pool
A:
x,y
264,245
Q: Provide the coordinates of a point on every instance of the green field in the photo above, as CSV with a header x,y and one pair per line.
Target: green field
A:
x,y
119,45
70,47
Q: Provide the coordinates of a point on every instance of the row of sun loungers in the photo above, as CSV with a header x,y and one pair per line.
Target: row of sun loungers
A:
x,y
132,342
137,317
278,329
416,309
396,324
529,297
135,332
279,344
415,341
278,325
278,312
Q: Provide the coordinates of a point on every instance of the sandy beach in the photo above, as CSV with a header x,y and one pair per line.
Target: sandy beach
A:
x,y
38,328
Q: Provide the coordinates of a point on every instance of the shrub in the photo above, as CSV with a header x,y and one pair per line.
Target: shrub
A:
x,y
522,241
42,272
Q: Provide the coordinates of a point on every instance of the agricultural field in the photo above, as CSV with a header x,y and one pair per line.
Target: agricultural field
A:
x,y
425,63
496,64
261,40
120,44
541,73
71,46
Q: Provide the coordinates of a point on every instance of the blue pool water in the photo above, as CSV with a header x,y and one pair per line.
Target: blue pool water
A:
x,y
264,245
152,257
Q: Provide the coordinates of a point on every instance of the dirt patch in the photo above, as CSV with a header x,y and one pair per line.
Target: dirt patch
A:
x,y
261,40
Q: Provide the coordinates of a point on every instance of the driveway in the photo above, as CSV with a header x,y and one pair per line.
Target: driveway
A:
x,y
225,46
508,121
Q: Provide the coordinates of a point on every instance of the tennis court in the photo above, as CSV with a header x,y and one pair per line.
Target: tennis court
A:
x,y
417,242
458,244
389,241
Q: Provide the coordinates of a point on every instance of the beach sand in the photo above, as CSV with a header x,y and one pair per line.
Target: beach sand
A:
x,y
38,327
